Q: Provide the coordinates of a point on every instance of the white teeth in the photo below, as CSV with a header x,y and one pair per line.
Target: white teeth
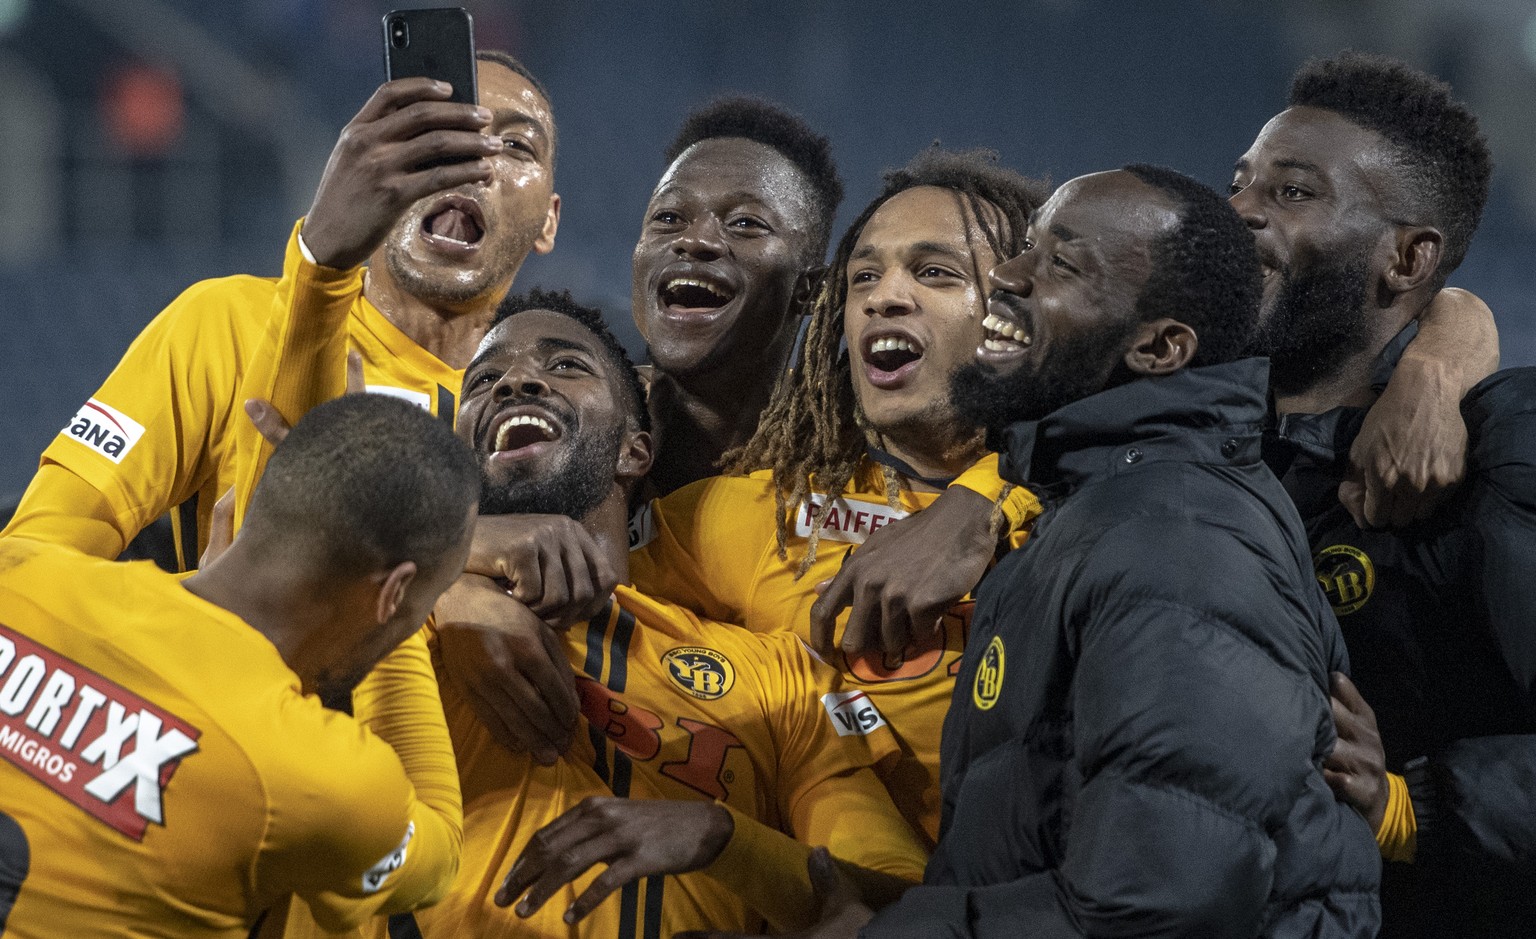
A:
x,y
994,345
505,430
677,282
1006,330
892,344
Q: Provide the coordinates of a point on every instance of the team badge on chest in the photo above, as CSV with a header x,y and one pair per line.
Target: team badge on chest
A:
x,y
703,673
1347,576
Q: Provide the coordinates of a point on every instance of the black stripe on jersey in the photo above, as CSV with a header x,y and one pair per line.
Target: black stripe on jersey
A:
x,y
653,887
597,627
618,651
186,532
629,909
447,405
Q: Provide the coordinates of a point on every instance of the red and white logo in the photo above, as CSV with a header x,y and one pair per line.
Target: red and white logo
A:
x,y
849,520
66,726
104,429
853,713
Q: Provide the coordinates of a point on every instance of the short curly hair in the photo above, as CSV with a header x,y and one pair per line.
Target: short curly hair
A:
x,y
778,127
1205,272
560,301
1439,149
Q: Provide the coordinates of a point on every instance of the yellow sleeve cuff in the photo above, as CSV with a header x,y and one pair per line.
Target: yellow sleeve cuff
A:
x,y
767,869
1397,836
1019,505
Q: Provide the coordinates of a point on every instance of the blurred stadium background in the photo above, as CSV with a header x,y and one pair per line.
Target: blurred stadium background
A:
x,y
147,144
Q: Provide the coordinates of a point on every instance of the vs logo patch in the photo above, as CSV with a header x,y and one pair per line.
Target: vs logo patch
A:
x,y
989,675
1346,575
703,673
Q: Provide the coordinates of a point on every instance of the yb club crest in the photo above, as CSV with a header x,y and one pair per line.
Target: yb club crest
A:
x,y
989,675
1346,575
703,673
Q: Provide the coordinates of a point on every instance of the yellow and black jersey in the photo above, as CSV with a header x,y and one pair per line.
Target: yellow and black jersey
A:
x,y
160,434
676,707
712,547
163,775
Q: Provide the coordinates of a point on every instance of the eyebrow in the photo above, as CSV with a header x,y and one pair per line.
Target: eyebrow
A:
x,y
1062,232
545,345
510,116
1286,163
918,247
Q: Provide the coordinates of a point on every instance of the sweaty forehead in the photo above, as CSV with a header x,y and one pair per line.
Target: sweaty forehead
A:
x,y
735,167
922,215
1324,141
502,88
537,331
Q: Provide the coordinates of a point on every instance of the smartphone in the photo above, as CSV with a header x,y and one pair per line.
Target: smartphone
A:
x,y
436,43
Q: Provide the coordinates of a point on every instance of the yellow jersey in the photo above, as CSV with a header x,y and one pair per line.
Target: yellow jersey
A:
x,y
160,433
162,774
712,547
675,707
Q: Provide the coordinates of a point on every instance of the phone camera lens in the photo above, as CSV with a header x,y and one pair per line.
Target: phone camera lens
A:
x,y
398,37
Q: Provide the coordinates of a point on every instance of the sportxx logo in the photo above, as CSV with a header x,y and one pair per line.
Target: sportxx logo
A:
x,y
104,429
989,675
703,673
1346,575
66,726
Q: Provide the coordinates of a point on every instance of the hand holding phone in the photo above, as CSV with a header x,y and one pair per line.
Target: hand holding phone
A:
x,y
437,43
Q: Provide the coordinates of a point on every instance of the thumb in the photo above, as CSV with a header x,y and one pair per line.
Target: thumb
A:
x,y
830,885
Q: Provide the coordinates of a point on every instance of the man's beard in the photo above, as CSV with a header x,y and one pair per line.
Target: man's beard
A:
x,y
1318,322
1076,367
573,490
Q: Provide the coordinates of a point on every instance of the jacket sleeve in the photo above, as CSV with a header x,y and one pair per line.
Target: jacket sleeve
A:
x,y
1475,808
1192,743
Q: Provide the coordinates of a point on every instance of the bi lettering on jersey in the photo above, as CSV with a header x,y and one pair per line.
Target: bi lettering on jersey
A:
x,y
104,429
67,727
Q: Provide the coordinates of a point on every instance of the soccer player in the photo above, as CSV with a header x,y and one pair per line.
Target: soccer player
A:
x,y
905,294
1137,733
743,736
1363,196
443,244
165,765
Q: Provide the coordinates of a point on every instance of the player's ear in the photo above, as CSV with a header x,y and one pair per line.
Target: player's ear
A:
x,y
392,590
546,239
635,456
1161,347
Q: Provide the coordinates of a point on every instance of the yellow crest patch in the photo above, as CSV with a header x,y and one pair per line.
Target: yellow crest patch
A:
x,y
1346,575
989,675
703,673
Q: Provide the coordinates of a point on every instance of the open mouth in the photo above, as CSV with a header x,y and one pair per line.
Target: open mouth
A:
x,y
892,353
522,431
694,296
1001,334
455,222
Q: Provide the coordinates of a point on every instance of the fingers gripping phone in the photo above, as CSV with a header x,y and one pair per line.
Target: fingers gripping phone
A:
x,y
437,43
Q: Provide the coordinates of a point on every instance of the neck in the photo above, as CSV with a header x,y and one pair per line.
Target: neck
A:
x,y
449,331
696,418
948,449
1349,385
279,599
608,524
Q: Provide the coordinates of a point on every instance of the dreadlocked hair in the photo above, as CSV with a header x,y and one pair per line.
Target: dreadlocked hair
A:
x,y
813,432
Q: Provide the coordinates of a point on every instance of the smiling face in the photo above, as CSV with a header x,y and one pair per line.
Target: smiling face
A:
x,y
1314,185
547,414
914,307
1061,315
726,239
467,244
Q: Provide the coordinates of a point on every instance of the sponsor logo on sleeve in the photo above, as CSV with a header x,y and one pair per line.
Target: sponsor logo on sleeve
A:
x,y
1347,576
642,527
419,398
375,876
104,429
88,739
989,675
848,520
853,713
703,673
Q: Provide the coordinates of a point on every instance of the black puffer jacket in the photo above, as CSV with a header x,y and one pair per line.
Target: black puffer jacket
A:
x,y
1135,743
